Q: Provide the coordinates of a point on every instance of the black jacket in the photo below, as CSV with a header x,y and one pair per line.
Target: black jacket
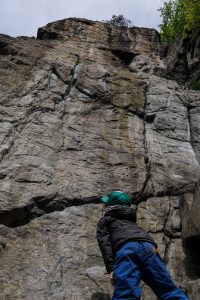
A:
x,y
116,228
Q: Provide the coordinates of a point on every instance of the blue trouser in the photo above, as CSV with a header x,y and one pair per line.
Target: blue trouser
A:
x,y
136,261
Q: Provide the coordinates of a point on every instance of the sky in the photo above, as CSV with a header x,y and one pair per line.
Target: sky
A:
x,y
24,17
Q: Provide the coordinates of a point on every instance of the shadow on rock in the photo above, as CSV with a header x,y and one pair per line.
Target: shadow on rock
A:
x,y
191,261
100,296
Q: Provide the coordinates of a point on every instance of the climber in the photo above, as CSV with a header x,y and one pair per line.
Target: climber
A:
x,y
130,254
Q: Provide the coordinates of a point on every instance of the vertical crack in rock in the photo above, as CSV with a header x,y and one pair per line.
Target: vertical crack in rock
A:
x,y
54,71
148,169
70,85
6,147
144,193
191,135
73,79
167,241
167,219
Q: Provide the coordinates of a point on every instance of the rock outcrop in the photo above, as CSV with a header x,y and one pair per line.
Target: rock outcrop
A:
x,y
85,110
182,59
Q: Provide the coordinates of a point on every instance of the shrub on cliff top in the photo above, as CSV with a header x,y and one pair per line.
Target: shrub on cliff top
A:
x,y
118,21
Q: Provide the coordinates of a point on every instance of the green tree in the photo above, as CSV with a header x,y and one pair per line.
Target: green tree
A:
x,y
179,17
192,16
118,21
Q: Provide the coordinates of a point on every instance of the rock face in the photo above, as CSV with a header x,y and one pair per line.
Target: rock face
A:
x,y
182,59
84,111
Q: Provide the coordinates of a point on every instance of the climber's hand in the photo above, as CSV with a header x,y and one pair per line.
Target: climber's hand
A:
x,y
111,276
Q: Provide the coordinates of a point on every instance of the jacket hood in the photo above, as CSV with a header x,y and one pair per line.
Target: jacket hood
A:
x,y
122,212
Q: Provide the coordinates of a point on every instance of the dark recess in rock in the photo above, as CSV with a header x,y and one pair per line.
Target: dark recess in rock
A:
x,y
3,46
40,206
125,56
100,296
2,244
192,262
149,118
6,49
44,35
163,51
16,217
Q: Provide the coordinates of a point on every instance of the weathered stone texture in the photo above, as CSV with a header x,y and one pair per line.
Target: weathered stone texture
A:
x,y
182,59
190,212
84,111
54,257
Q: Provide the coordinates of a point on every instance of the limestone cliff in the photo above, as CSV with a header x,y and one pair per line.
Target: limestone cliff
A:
x,y
85,110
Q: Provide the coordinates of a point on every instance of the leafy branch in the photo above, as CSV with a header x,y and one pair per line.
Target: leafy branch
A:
x,y
179,18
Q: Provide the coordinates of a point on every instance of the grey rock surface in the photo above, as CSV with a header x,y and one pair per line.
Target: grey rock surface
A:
x,y
84,110
54,257
190,212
